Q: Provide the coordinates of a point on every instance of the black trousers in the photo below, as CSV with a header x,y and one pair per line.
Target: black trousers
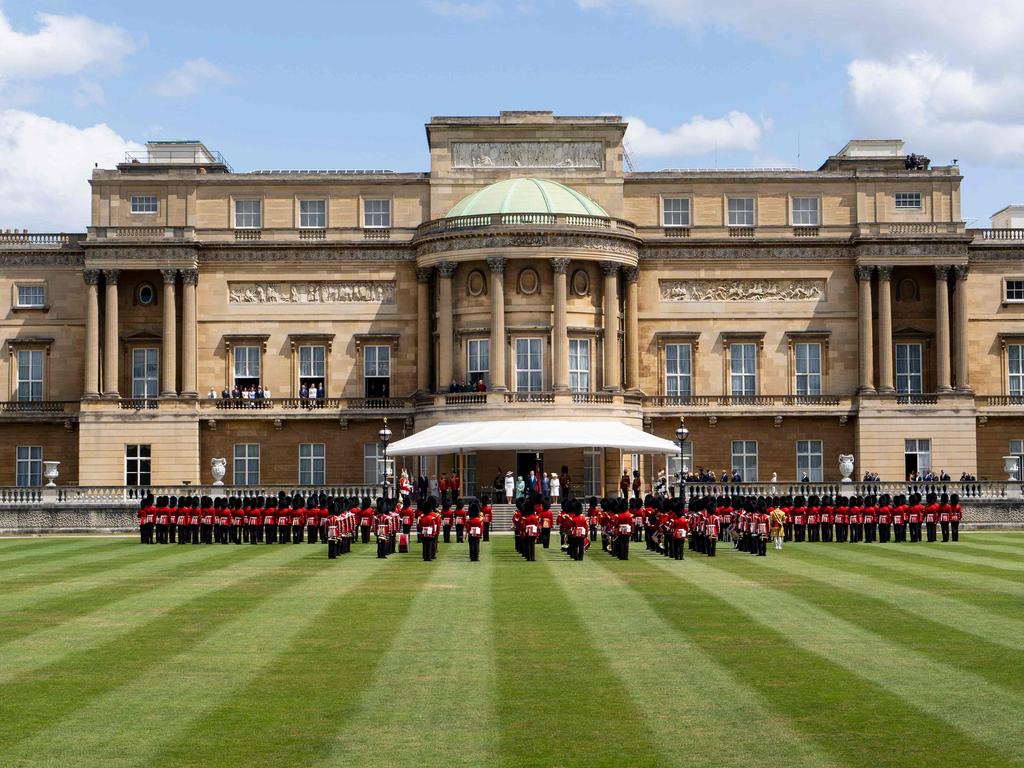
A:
x,y
382,547
487,531
623,547
530,547
787,529
333,548
576,547
545,537
931,531
311,533
593,533
474,548
447,529
956,530
801,531
677,549
883,533
364,533
271,532
711,547
296,534
945,531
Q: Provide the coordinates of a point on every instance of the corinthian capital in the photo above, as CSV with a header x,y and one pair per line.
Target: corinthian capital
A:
x,y
423,274
111,276
610,268
559,266
190,276
960,270
884,272
91,276
497,264
169,275
863,271
941,271
631,274
446,268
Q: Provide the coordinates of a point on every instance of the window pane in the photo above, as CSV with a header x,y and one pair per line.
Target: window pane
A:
x,y
805,211
248,214
313,213
376,213
31,296
741,211
676,211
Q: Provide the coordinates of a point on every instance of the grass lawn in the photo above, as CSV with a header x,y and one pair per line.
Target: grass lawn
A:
x,y
114,654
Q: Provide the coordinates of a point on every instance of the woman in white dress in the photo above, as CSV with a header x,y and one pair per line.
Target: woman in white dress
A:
x,y
555,487
510,487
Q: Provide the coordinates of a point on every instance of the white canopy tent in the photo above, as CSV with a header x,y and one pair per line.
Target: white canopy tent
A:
x,y
529,435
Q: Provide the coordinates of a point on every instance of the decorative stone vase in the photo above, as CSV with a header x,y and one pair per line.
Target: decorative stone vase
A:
x,y
846,466
218,467
50,473
1012,465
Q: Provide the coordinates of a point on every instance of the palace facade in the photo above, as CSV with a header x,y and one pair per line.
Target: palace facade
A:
x,y
790,316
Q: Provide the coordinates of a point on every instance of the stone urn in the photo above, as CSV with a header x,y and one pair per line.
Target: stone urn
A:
x,y
50,472
846,466
218,468
1012,466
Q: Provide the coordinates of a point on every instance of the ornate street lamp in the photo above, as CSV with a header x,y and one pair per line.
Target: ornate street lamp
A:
x,y
681,434
385,438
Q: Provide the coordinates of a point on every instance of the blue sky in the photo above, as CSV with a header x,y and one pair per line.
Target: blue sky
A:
x,y
349,85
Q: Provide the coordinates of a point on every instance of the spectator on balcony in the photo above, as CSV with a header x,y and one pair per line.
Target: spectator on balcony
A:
x,y
311,392
236,393
454,387
225,394
725,477
805,478
480,385
736,476
321,394
213,394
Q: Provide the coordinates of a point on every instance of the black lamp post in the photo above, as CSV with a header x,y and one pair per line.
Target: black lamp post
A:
x,y
385,438
681,434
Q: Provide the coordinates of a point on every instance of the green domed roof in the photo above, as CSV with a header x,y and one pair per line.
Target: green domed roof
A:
x,y
527,195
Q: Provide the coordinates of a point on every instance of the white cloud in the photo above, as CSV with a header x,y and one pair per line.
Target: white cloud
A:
x,y
697,136
190,77
63,45
46,167
471,11
948,77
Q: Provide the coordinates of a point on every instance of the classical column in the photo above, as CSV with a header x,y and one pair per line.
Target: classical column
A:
x,y
189,280
423,275
560,328
942,328
612,362
864,330
632,349
963,379
91,388
445,270
111,347
497,351
169,354
885,329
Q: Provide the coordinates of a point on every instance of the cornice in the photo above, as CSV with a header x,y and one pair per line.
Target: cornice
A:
x,y
597,243
691,252
221,255
42,259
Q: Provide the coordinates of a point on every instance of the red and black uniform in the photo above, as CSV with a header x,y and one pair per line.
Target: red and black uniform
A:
x,y
931,518
312,521
382,530
447,520
547,522
487,514
899,522
870,521
408,518
147,520
475,532
430,525
680,530
826,522
460,523
365,522
914,517
956,514
623,534
531,532
577,530
593,521
333,534
884,523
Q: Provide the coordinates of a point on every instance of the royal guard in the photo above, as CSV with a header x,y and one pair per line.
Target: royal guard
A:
x,y
884,518
256,520
593,517
298,519
531,532
870,519
382,530
900,513
145,529
447,521
313,519
956,514
799,519
181,523
454,485
429,526
206,515
284,519
711,531
237,522
578,531
638,513
475,531
487,514
761,527
813,515
365,521
856,519
408,516
931,517
624,531
333,533
842,518
460,521
563,520
827,513
680,530
915,516
547,522
269,521
517,525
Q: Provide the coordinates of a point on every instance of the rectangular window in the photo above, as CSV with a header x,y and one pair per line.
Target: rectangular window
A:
x,y
1014,368
908,369
592,472
30,374
138,465
678,370
372,468
469,475
143,203
377,371
312,214
248,214
1015,290
377,214
1017,449
312,362
675,211
808,460
312,465
579,365
743,369
744,459
908,199
917,455
247,366
247,464
478,363
741,211
805,212
145,366
674,464
29,469
808,368
31,296
529,373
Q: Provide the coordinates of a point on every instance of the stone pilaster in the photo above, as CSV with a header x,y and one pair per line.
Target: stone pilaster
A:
x,y
496,359
423,276
111,343
963,379
189,330
632,337
445,340
612,357
560,327
169,353
942,372
885,378
864,330
91,387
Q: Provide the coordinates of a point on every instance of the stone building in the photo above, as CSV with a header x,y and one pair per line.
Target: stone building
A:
x,y
789,316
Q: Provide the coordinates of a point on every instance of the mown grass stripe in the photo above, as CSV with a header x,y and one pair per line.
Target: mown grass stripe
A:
x,y
290,710
559,702
1000,665
47,549
955,555
1010,555
439,667
219,665
61,596
956,575
976,708
1009,542
951,611
168,594
867,725
54,697
687,695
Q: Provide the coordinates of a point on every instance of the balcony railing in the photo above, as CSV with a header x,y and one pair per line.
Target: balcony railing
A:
x,y
33,406
465,398
973,489
740,401
1008,233
917,399
138,403
592,398
998,400
48,239
304,403
460,223
529,397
